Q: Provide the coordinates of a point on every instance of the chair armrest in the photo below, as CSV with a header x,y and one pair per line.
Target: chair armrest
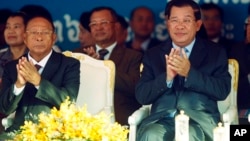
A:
x,y
138,115
230,116
135,119
109,111
8,121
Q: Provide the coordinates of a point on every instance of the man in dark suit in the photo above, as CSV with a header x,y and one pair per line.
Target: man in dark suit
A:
x,y
142,24
185,73
30,90
103,26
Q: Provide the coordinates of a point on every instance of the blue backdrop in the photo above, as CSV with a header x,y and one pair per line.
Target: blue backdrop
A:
x,y
66,14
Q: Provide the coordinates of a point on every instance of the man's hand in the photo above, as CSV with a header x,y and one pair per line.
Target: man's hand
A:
x,y
179,63
171,73
20,80
27,72
91,52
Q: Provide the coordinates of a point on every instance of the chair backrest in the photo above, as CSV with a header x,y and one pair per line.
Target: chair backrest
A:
x,y
96,83
229,105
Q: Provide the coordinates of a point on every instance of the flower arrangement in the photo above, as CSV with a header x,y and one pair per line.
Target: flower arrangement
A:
x,y
71,123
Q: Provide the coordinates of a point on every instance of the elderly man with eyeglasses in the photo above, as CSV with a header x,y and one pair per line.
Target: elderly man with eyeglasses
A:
x,y
29,90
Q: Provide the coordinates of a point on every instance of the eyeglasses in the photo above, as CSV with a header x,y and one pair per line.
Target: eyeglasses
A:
x,y
185,22
102,23
41,33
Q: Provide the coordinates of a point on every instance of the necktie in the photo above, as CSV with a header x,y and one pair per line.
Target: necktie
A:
x,y
102,53
186,51
181,78
37,67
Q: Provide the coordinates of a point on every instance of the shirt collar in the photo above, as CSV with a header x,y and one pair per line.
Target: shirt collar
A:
x,y
109,48
216,40
43,62
145,44
189,47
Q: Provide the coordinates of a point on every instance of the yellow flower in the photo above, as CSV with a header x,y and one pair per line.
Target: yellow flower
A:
x,y
71,123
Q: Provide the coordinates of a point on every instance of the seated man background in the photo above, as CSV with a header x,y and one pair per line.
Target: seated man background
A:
x,y
213,22
142,23
103,26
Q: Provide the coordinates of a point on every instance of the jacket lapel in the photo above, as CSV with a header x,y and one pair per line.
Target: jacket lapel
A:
x,y
198,54
117,54
51,66
166,48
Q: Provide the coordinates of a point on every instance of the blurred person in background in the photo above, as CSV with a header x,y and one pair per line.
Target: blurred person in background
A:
x,y
13,35
213,16
4,14
85,37
142,23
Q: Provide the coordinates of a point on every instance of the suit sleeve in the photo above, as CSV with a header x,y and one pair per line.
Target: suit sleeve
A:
x,y
8,100
126,79
55,95
151,86
215,85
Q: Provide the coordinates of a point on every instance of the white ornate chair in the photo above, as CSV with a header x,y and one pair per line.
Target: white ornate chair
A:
x,y
97,81
227,107
96,85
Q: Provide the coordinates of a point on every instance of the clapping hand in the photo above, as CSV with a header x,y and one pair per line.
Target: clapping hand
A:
x,y
91,52
27,72
177,62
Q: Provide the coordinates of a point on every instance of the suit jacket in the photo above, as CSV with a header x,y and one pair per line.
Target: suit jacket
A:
x,y
227,44
208,81
60,79
241,52
127,63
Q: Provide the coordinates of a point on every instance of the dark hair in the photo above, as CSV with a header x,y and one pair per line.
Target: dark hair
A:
x,y
209,6
5,13
111,10
140,7
202,32
122,21
182,3
34,11
84,20
20,14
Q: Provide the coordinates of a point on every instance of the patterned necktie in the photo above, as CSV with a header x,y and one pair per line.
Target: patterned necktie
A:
x,y
102,53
